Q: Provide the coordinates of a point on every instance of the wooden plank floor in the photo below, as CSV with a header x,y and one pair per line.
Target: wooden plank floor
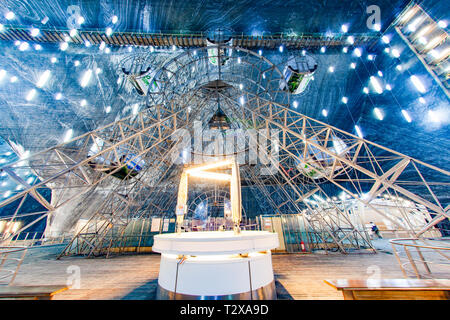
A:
x,y
298,276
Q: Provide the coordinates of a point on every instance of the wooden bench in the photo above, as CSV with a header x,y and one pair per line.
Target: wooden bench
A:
x,y
393,289
30,292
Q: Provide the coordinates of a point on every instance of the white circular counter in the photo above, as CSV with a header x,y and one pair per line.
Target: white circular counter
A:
x,y
216,265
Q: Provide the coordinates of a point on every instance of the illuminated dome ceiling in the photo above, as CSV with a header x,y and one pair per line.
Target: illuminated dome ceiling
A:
x,y
65,67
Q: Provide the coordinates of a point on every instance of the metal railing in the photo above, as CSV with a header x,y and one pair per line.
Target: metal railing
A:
x,y
423,258
31,239
11,259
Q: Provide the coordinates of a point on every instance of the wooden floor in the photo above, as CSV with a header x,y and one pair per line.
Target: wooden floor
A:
x,y
298,276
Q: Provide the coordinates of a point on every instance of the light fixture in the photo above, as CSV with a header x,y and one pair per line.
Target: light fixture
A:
x,y
135,108
423,40
331,69
241,86
102,45
433,115
358,131
43,78
2,74
83,102
44,20
281,48
422,100
114,19
67,39
58,96
395,53
37,47
442,24
357,52
53,59
9,15
80,20
73,32
378,113
87,43
388,87
34,32
17,43
260,52
174,47
344,49
322,49
303,52
344,28
98,70
370,57
109,31
376,84
76,63
107,50
86,77
130,48
324,112
344,99
380,74
366,90
31,94
351,39
353,65
2,27
399,67
24,46
406,116
242,100
417,83
295,104
108,109
63,46
385,39
377,27
68,135
13,79
387,50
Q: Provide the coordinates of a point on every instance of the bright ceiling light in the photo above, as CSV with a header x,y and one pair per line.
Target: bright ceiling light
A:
x,y
418,84
422,100
322,49
86,77
2,27
357,52
242,100
385,39
73,32
399,67
2,74
324,112
378,113
423,40
395,53
31,94
13,79
376,84
24,46
102,45
37,47
108,109
107,50
63,46
344,99
331,69
87,43
76,63
366,90
9,15
58,96
370,57
351,39
388,87
109,31
114,19
344,28
442,24
260,52
406,116
380,74
281,48
34,32
344,49
358,131
434,117
136,108
295,104
68,135
377,27
83,102
80,20
130,48
433,42
353,65
53,59
43,78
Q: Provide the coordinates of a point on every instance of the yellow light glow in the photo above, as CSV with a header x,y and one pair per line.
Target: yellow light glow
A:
x,y
210,166
211,175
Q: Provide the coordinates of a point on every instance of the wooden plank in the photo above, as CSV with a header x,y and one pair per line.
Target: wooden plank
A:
x,y
37,292
384,284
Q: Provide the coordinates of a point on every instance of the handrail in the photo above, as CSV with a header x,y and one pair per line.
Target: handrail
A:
x,y
12,272
421,264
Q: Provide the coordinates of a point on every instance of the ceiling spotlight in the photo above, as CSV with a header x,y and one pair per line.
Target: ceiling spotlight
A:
x,y
53,60
378,113
322,49
295,104
370,57
406,115
376,84
344,28
2,27
344,99
73,32
174,48
24,46
324,112
351,40
303,52
422,100
131,49
377,27
260,52
358,131
13,79
107,50
87,43
344,49
442,24
80,20
34,32
380,74
83,102
102,45
395,53
63,46
109,31
399,67
76,63
108,109
114,19
281,48
68,135
58,96
385,39
45,20
43,78
86,77
331,69
388,87
9,15
418,84
353,65
37,47
357,52
31,94
366,90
